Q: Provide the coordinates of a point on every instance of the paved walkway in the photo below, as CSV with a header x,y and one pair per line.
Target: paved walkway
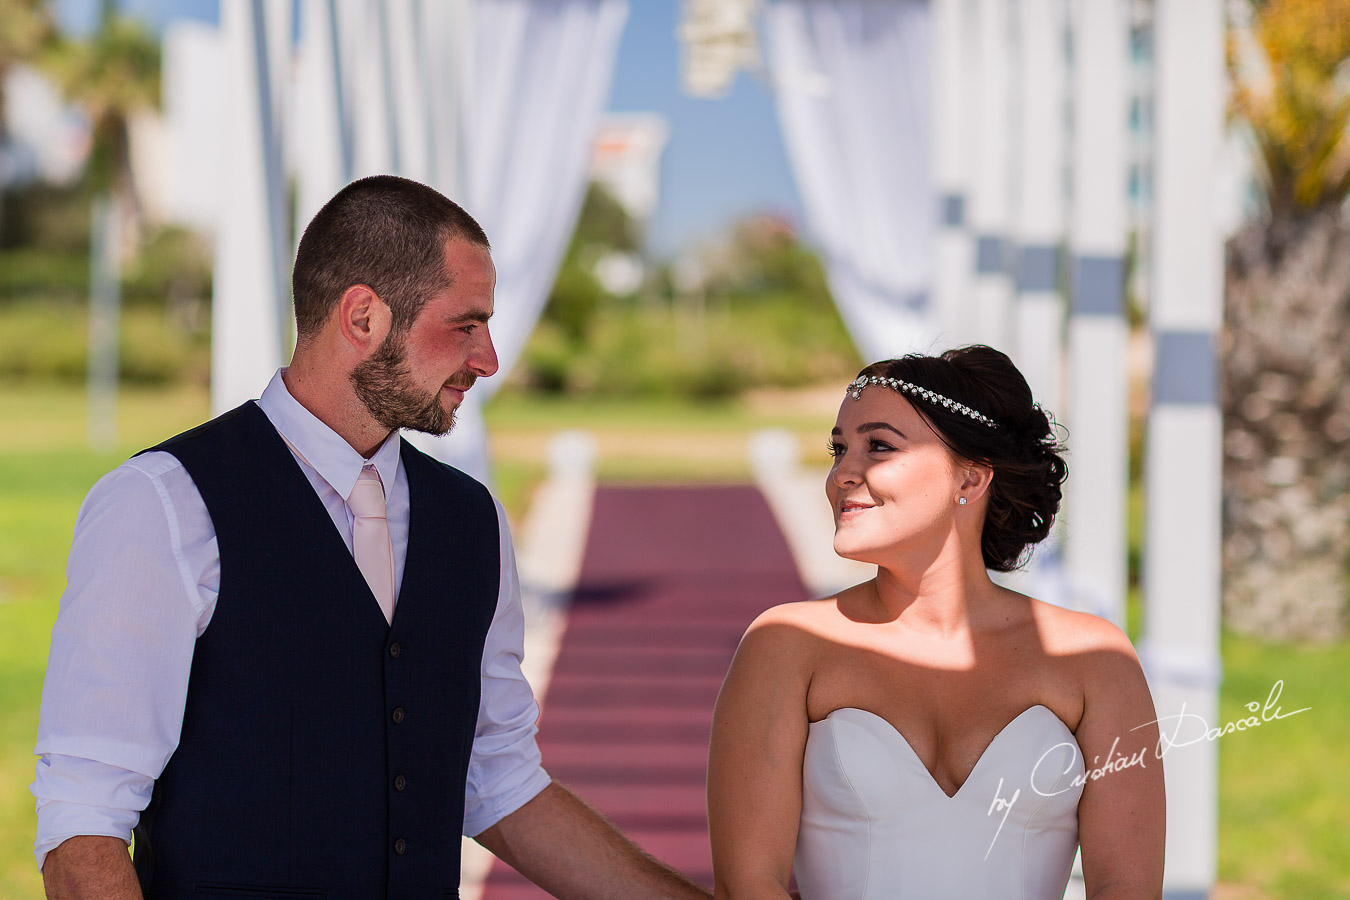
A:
x,y
670,578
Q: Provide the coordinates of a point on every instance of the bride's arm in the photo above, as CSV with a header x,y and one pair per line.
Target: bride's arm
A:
x,y
1122,814
755,761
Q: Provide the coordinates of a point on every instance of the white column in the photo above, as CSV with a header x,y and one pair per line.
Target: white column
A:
x,y
1098,413
954,246
990,195
325,133
279,38
1180,648
250,270
409,88
105,319
373,128
445,26
1040,189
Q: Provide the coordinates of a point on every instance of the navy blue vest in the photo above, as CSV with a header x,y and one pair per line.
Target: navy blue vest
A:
x,y
324,752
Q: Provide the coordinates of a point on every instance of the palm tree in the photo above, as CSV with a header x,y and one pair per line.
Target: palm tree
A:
x,y
112,76
24,29
1286,340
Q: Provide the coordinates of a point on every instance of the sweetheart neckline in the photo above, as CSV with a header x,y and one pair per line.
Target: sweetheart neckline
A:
x,y
910,747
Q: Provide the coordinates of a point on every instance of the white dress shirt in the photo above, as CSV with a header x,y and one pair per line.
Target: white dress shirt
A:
x,y
141,585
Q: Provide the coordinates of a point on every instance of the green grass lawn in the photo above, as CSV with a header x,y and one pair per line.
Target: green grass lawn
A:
x,y
1283,787
1281,792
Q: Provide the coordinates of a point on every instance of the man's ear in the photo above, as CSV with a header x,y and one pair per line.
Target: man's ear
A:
x,y
363,318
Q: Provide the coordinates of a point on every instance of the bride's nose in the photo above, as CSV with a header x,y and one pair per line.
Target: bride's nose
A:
x,y
844,472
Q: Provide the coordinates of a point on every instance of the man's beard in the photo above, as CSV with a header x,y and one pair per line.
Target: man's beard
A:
x,y
381,384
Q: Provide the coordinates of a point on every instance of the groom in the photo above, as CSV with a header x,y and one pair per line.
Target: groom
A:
x,y
288,654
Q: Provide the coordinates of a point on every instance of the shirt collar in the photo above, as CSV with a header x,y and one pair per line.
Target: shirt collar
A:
x,y
321,447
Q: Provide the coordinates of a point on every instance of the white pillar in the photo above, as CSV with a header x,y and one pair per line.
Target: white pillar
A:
x,y
251,244
989,213
325,133
1040,188
954,246
444,25
1180,648
280,42
105,319
409,88
1097,412
376,137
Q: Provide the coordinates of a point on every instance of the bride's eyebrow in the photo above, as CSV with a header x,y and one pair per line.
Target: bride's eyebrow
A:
x,y
874,426
865,427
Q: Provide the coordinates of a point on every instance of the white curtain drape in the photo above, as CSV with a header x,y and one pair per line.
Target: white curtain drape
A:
x,y
539,78
854,86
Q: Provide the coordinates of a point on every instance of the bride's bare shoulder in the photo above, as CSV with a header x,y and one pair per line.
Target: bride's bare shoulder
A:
x,y
1067,632
814,616
795,626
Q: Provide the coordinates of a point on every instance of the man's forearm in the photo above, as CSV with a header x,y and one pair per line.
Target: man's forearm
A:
x,y
571,851
90,866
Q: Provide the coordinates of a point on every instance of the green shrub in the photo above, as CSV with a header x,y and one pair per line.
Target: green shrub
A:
x,y
49,340
636,350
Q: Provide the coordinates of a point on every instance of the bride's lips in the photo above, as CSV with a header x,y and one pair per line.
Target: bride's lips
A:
x,y
851,508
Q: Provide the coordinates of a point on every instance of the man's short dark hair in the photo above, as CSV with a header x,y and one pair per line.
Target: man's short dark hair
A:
x,y
385,232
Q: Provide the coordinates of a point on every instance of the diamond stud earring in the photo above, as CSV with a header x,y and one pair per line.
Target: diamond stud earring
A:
x,y
961,500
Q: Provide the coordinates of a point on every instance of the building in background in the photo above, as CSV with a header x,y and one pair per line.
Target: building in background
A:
x,y
45,138
626,162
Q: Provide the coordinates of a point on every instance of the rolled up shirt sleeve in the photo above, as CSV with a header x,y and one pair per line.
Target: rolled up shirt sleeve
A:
x,y
121,652
505,768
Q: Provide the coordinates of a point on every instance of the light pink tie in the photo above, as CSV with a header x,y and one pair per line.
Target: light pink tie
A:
x,y
370,538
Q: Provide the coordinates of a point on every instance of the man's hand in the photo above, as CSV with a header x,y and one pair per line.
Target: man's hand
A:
x,y
571,851
90,866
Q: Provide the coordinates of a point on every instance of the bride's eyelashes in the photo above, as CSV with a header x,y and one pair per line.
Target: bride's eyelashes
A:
x,y
836,450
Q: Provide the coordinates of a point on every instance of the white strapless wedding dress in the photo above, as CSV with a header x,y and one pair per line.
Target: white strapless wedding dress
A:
x,y
876,825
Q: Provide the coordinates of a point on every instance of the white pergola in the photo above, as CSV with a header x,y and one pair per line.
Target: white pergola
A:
x,y
964,165
1020,143
492,102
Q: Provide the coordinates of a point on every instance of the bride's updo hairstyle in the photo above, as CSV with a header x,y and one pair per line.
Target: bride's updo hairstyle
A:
x,y
1022,450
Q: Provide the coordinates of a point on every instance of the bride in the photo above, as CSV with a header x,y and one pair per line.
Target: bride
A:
x,y
929,733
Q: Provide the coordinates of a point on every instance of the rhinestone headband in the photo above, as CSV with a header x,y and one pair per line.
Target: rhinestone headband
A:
x,y
855,390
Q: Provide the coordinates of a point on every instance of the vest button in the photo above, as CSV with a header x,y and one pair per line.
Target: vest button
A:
x,y
398,715
400,782
400,846
395,650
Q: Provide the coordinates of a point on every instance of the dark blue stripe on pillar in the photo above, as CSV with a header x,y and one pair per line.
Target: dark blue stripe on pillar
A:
x,y
989,255
1185,369
1098,286
1038,268
953,210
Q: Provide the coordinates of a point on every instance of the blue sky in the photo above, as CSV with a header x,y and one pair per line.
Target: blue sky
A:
x,y
725,157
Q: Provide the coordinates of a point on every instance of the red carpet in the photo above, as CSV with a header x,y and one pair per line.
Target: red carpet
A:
x,y
670,579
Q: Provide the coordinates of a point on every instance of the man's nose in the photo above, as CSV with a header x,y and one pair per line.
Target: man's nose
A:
x,y
483,356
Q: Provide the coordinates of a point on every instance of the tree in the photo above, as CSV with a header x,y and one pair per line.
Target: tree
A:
x,y
24,29
112,76
1286,340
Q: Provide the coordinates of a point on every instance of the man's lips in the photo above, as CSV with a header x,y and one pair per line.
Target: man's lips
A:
x,y
458,387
